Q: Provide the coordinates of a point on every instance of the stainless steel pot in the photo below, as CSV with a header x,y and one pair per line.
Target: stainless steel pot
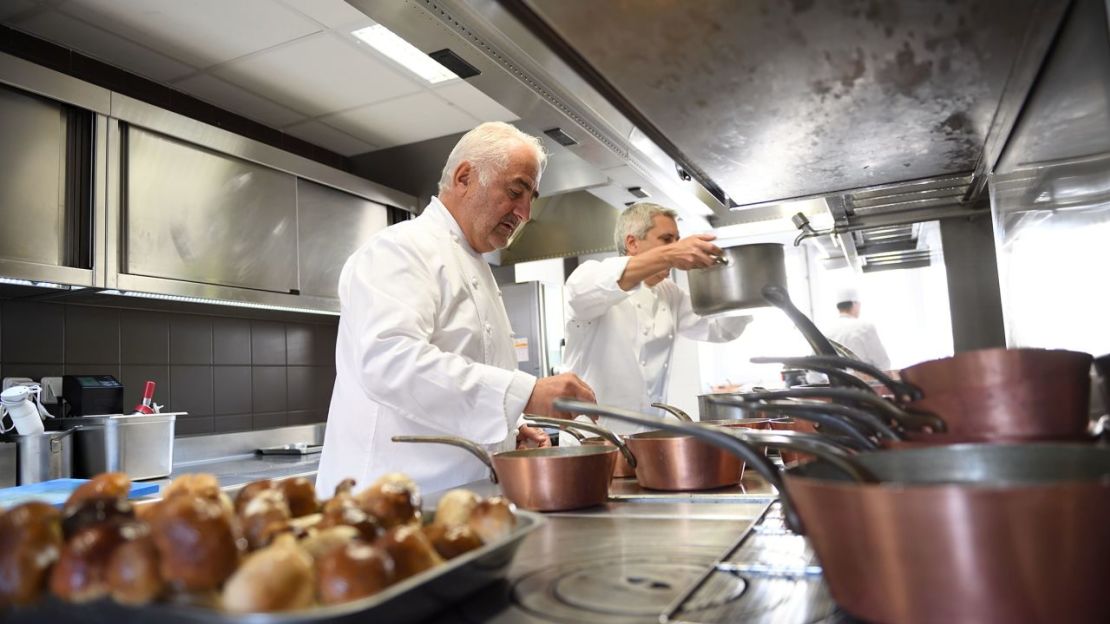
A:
x,y
43,456
736,282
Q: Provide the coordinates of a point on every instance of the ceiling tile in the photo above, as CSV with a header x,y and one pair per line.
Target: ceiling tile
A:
x,y
228,96
199,32
317,75
103,45
403,120
478,104
330,13
325,136
10,8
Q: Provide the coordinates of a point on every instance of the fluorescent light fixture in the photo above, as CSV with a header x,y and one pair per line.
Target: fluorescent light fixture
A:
x,y
226,302
23,282
388,43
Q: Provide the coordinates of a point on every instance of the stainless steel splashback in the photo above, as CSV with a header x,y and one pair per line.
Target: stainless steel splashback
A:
x,y
331,226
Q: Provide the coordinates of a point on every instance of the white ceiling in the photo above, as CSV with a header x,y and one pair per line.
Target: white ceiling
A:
x,y
290,64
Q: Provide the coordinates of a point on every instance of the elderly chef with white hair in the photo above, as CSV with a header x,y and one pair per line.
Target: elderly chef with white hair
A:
x,y
858,335
623,313
424,344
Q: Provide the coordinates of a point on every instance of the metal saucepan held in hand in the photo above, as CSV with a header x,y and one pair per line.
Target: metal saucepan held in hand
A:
x,y
735,281
543,479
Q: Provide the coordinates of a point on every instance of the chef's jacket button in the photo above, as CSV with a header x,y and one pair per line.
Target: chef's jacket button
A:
x,y
498,292
454,237
643,363
645,331
670,336
665,364
489,328
474,282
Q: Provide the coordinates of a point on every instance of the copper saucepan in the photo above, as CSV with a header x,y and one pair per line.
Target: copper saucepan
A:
x,y
543,479
678,462
1005,533
990,394
623,469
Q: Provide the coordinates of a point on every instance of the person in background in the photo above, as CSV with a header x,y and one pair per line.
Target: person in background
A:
x,y
424,344
856,334
623,313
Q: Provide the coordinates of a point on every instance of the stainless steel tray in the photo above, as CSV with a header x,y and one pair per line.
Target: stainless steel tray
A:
x,y
411,600
297,448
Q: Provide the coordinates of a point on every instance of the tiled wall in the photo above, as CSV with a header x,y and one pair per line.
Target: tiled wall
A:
x,y
230,374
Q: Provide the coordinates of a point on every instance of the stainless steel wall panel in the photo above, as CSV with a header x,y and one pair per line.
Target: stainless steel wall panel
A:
x,y
55,85
178,126
332,225
200,216
32,195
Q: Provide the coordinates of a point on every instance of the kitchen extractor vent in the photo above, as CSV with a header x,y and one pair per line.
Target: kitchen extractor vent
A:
x,y
455,63
560,137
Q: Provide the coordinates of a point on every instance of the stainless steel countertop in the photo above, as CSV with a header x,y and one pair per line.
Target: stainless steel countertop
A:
x,y
235,472
622,562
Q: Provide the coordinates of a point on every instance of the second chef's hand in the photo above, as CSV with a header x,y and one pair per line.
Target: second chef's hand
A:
x,y
532,437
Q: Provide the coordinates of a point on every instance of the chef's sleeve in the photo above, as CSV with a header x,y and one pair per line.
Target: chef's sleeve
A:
x,y
594,288
394,296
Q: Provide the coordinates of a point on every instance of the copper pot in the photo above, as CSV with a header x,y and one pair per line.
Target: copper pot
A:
x,y
957,533
989,395
622,469
543,479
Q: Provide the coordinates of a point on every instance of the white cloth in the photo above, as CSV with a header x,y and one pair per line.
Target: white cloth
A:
x,y
861,337
621,342
424,348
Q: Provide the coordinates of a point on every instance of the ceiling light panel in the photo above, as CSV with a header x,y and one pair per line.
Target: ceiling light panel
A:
x,y
404,53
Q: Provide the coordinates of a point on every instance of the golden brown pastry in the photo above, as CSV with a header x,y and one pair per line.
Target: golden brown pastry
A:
x,y
355,570
279,577
30,542
202,484
301,495
104,485
346,486
492,519
249,491
455,507
450,542
264,516
133,574
392,502
81,573
88,512
410,550
321,542
196,542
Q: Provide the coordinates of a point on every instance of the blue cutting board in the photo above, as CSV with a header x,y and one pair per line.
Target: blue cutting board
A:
x,y
57,491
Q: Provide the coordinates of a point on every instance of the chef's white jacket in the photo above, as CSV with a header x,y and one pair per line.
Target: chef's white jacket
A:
x,y
861,337
621,342
424,348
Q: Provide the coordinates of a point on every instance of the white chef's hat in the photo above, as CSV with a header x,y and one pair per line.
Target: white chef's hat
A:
x,y
847,293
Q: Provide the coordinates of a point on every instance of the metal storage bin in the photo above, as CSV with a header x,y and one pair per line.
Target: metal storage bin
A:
x,y
139,444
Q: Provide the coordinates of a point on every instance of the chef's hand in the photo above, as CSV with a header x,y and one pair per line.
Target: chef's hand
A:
x,y
547,389
531,437
692,252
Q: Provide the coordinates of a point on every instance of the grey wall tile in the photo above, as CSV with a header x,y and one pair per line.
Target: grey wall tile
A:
x,y
190,339
191,390
300,341
269,420
323,381
193,425
323,343
231,389
33,332
306,417
144,337
267,343
224,423
91,335
134,377
34,371
231,341
300,387
268,389
92,369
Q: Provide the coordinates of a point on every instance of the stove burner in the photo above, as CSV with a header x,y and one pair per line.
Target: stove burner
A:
x,y
619,589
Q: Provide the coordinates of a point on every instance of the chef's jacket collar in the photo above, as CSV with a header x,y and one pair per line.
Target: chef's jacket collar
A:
x,y
438,212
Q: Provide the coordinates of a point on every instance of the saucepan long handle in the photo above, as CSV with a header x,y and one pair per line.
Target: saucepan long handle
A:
x,y
777,297
474,448
673,411
865,400
591,427
902,390
803,408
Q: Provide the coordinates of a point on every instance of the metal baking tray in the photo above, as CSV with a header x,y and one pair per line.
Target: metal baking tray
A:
x,y
411,600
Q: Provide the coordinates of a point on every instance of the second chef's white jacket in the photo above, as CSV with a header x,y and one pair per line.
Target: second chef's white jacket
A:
x,y
862,338
424,348
621,342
